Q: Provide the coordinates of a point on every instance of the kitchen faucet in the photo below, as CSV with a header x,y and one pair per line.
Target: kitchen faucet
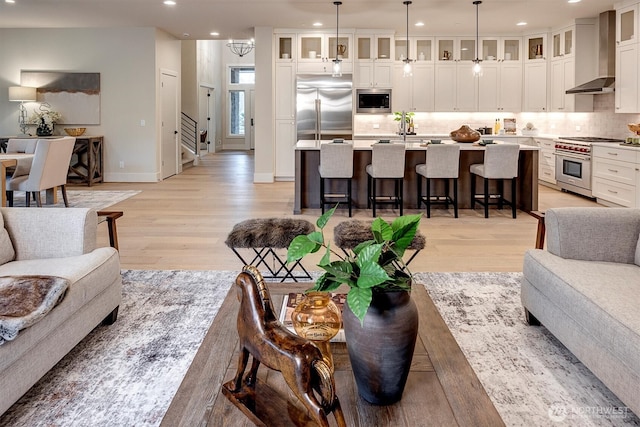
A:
x,y
403,127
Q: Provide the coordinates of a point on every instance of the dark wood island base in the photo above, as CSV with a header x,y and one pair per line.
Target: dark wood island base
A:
x,y
307,177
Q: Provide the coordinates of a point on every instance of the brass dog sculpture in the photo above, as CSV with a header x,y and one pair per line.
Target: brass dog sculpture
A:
x,y
299,360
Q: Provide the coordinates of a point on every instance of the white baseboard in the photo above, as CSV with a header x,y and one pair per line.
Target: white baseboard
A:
x,y
131,177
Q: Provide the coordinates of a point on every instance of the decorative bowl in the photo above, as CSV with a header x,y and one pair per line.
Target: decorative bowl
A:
x,y
465,134
634,127
75,131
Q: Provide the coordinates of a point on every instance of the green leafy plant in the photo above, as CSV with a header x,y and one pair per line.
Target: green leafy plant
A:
x,y
373,266
407,116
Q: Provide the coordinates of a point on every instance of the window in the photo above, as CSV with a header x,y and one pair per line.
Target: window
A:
x,y
236,108
243,75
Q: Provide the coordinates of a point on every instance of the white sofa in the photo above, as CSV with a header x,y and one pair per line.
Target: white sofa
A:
x,y
585,289
55,242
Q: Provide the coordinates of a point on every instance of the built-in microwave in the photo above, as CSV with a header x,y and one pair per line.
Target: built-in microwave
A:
x,y
376,101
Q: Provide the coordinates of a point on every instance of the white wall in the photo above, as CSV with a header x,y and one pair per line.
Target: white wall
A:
x,y
264,170
128,67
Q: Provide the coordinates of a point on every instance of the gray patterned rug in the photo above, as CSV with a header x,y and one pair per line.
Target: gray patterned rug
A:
x,y
99,199
126,374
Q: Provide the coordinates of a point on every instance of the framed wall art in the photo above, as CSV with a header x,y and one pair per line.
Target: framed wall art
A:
x,y
76,96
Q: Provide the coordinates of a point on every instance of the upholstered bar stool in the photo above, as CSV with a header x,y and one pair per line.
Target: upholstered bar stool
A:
x,y
500,163
387,162
336,162
442,162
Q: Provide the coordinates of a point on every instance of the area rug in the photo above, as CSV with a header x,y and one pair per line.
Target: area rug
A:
x,y
126,374
98,199
530,376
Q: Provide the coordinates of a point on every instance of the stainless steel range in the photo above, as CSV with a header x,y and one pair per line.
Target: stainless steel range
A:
x,y
573,162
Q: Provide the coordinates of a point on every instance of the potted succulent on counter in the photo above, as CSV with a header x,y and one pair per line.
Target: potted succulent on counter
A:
x,y
380,319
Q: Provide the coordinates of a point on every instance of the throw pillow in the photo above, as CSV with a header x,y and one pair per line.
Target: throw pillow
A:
x,y
7,253
638,251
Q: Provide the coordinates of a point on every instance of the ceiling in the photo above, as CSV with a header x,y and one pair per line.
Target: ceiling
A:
x,y
196,19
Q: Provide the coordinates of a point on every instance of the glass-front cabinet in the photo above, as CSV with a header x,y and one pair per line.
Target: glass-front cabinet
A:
x,y
511,49
562,43
455,49
500,48
536,46
420,48
370,47
317,50
626,22
374,60
285,47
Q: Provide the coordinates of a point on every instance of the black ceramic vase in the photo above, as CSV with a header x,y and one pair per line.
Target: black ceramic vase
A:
x,y
381,350
43,129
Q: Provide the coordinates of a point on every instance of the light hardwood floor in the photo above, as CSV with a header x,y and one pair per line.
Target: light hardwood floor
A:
x,y
182,222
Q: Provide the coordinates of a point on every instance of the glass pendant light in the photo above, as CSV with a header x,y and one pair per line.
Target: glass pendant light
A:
x,y
477,68
337,62
406,69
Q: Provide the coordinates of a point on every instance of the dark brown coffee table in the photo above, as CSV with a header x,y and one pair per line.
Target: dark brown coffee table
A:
x,y
442,389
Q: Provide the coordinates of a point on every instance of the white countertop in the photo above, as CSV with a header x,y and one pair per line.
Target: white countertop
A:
x,y
365,144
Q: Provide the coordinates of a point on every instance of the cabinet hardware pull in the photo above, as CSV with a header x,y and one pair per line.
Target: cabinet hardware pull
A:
x,y
612,192
612,154
612,170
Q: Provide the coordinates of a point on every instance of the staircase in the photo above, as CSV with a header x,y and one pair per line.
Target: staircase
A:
x,y
190,152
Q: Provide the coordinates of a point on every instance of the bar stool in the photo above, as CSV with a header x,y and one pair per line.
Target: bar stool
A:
x,y
442,162
500,163
336,162
387,162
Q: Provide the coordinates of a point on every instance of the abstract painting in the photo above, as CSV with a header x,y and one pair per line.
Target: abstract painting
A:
x,y
76,96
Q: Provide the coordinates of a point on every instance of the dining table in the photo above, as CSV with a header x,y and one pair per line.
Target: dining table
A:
x,y
8,160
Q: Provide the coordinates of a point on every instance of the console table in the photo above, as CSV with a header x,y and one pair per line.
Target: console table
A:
x,y
87,161
442,388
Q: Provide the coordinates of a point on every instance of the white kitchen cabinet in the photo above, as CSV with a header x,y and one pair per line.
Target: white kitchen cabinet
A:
x,y
316,51
626,93
455,86
374,61
285,99
546,160
285,45
535,87
535,46
285,141
626,25
500,86
415,92
616,175
573,62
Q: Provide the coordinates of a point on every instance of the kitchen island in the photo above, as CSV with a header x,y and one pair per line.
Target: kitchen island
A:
x,y
307,177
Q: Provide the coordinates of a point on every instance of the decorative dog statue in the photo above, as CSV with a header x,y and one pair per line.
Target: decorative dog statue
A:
x,y
299,360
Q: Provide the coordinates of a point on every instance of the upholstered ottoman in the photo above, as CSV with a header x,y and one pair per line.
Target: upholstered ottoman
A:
x,y
262,236
349,234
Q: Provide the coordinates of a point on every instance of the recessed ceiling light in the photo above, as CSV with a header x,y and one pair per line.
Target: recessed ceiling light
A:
x,y
185,34
574,1
169,2
520,24
419,24
9,1
317,24
215,33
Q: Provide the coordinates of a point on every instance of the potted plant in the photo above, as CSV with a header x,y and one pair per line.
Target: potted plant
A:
x,y
45,118
408,118
380,319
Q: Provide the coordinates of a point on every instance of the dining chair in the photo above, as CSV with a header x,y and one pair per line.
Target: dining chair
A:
x,y
500,163
442,163
387,162
21,145
336,162
49,170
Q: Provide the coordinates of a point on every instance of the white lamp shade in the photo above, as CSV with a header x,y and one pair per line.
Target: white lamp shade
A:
x,y
22,93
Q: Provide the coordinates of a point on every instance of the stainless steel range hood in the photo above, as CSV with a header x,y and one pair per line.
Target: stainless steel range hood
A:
x,y
606,58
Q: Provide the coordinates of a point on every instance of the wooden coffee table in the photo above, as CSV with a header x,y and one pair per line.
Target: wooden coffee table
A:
x,y
441,390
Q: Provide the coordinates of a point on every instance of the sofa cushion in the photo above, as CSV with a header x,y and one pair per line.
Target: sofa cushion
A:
x,y
7,253
602,297
89,275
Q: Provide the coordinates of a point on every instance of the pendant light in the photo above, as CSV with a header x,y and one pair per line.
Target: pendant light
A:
x,y
337,62
406,70
477,69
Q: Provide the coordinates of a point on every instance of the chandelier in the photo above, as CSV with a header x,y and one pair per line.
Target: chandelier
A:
x,y
241,47
477,68
337,63
406,70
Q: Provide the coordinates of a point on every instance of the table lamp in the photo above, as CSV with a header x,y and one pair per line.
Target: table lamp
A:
x,y
22,94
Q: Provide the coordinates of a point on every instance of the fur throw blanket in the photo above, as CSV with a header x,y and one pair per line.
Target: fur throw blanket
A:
x,y
26,299
349,234
267,232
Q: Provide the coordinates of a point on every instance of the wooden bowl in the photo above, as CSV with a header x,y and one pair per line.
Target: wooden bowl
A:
x,y
75,131
634,127
465,134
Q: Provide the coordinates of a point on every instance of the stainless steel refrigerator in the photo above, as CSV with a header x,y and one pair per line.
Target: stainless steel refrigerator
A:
x,y
324,107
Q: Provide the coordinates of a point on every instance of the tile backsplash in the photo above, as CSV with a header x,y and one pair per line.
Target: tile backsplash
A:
x,y
602,122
